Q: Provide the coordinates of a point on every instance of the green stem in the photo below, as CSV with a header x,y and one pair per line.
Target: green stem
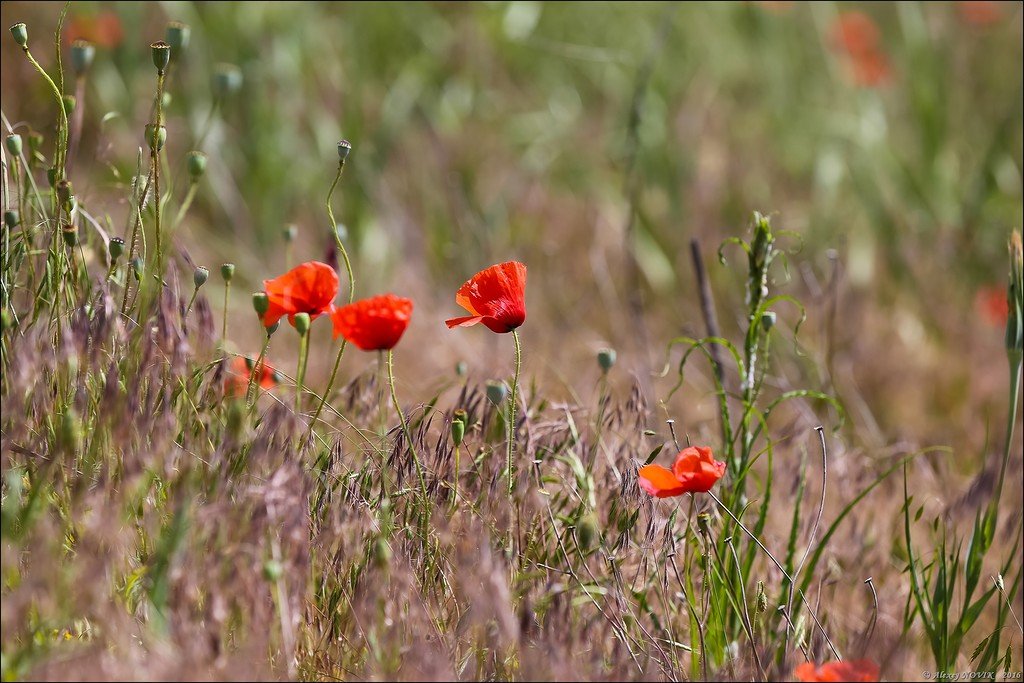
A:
x,y
512,419
155,159
1011,419
405,425
257,370
224,320
301,371
62,131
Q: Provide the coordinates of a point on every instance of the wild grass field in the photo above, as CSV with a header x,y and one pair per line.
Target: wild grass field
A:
x,y
731,390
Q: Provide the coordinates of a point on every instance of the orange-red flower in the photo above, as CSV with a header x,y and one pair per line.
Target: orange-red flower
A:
x,y
307,288
993,306
859,670
979,12
236,382
374,324
495,296
695,471
855,33
103,29
871,69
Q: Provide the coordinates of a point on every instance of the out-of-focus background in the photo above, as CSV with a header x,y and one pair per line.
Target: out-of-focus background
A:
x,y
886,137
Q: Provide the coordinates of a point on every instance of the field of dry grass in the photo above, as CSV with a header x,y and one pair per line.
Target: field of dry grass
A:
x,y
783,231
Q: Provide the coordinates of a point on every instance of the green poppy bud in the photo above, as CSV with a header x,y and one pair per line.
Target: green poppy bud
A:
x,y
115,248
768,319
260,303
459,419
704,523
496,392
227,80
69,102
606,359
82,54
196,164
156,136
344,149
199,276
177,36
20,33
161,55
138,268
302,323
272,570
227,271
270,332
13,144
11,219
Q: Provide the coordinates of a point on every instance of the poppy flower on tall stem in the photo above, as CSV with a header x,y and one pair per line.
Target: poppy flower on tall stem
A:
x,y
694,471
307,288
496,297
377,324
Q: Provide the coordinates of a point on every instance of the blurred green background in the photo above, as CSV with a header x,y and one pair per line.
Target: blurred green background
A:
x,y
571,135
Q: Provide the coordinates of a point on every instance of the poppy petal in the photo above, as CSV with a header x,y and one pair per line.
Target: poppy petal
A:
x,y
659,481
467,321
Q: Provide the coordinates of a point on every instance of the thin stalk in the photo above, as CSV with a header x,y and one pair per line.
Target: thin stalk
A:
x,y
1011,420
185,204
512,418
405,425
224,320
257,370
301,371
155,160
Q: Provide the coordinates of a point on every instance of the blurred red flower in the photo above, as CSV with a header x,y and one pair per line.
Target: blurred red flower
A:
x,y
307,288
992,304
695,471
870,70
495,296
103,29
979,12
374,324
236,382
859,670
855,33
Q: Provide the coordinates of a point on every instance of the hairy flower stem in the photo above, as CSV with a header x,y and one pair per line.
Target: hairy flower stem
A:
x,y
512,419
405,426
257,371
351,293
155,161
300,372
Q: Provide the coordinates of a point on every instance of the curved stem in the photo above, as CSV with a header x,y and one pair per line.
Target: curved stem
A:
x,y
405,425
512,418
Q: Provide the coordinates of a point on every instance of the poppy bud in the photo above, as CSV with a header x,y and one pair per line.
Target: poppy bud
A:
x,y
13,144
768,319
460,368
115,248
587,532
290,233
302,323
156,136
381,553
196,164
20,33
606,359
227,80
270,331
704,523
11,219
272,570
761,605
260,303
459,418
344,149
161,55
227,271
138,267
199,276
177,36
496,392
70,233
82,54
70,430
69,103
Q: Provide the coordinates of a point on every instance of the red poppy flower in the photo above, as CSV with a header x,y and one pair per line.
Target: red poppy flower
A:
x,y
855,33
307,288
373,324
993,306
103,30
859,670
695,471
870,70
495,296
236,382
979,12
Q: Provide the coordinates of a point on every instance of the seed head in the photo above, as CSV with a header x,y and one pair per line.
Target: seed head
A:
x,y
199,276
20,33
82,54
196,165
13,144
161,55
227,271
